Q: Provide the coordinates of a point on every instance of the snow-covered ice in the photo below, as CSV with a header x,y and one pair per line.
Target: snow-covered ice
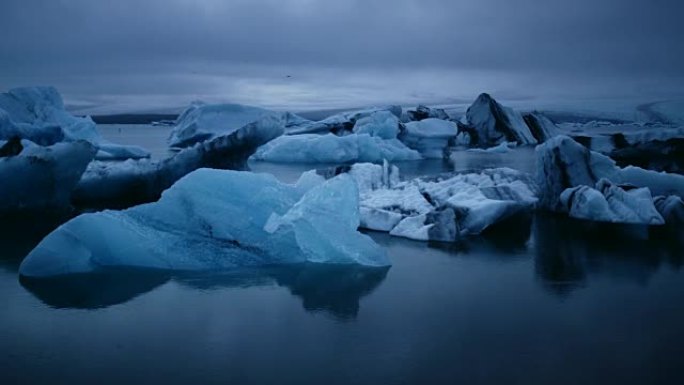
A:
x,y
214,219
340,123
382,124
38,114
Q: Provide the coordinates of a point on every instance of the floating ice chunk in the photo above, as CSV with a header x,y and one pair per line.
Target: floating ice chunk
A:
x,y
610,203
382,124
423,112
563,163
502,148
494,123
378,219
40,178
431,137
413,228
38,114
341,123
541,127
122,184
200,122
214,219
329,148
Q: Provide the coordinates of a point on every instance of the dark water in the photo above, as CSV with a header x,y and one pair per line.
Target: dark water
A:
x,y
557,303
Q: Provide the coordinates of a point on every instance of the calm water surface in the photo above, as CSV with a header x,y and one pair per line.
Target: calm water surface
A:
x,y
555,303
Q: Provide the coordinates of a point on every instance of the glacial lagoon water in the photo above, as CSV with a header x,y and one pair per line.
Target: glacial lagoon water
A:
x,y
555,303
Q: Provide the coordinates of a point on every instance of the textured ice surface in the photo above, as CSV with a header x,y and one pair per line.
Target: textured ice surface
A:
x,y
382,124
492,123
38,114
563,163
430,137
200,122
214,219
610,203
444,208
340,123
41,178
329,148
121,184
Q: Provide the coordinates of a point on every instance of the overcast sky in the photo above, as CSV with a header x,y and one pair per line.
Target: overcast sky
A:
x,y
134,54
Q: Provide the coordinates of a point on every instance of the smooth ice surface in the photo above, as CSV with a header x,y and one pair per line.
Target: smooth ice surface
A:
x,y
214,219
42,177
430,136
314,148
200,122
38,114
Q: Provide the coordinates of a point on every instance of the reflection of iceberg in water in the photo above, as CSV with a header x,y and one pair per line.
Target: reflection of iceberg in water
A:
x,y
335,289
570,252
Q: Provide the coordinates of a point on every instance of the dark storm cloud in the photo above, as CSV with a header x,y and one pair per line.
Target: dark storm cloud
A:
x,y
362,48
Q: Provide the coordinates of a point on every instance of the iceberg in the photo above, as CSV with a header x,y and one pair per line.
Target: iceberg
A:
x,y
611,203
423,112
330,148
541,127
37,114
123,184
446,208
42,178
201,122
564,164
341,123
491,123
381,124
210,220
431,137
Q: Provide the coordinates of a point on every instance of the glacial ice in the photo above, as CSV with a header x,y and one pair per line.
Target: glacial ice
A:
x,y
493,123
610,203
201,122
213,219
563,164
122,184
41,178
423,112
341,123
431,137
38,114
330,148
445,208
541,127
381,124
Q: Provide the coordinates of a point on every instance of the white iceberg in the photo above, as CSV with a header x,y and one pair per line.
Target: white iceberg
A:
x,y
122,184
36,113
42,178
211,220
541,127
330,148
201,122
424,112
446,208
431,137
491,123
